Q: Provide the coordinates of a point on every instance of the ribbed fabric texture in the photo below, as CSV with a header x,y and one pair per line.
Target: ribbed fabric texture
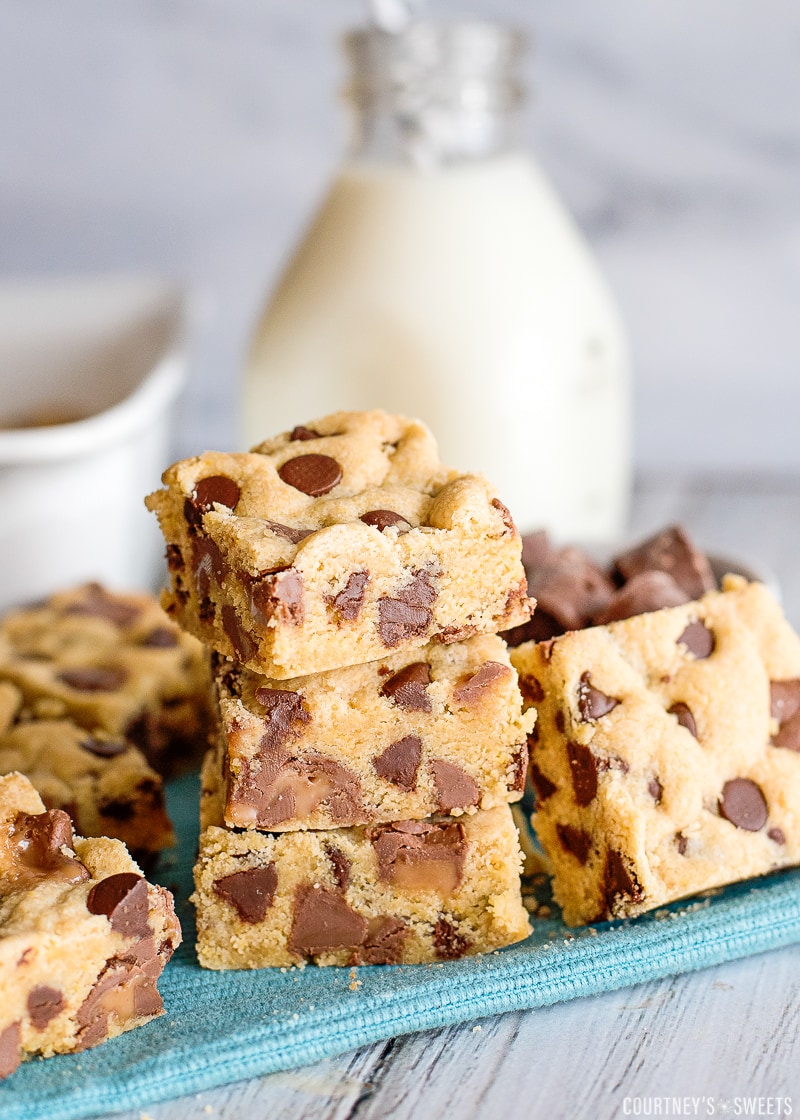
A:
x,y
224,1026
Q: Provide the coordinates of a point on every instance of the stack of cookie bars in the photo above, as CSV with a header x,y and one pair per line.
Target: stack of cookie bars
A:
x,y
355,807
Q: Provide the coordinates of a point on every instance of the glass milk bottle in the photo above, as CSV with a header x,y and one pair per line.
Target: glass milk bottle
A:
x,y
442,278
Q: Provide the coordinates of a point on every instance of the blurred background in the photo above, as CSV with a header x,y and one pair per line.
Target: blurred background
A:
x,y
194,137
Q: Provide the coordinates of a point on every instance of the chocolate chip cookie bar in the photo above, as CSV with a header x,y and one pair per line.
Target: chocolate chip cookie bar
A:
x,y
336,544
105,784
114,663
407,892
666,754
83,937
436,730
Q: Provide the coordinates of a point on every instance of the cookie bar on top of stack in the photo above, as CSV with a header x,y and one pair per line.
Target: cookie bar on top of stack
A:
x,y
666,758
369,717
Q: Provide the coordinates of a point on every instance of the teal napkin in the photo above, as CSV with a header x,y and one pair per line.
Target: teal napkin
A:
x,y
224,1026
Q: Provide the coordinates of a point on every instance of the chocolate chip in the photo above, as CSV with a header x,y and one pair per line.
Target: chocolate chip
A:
x,y
294,536
99,603
174,556
777,835
518,769
541,783
408,614
311,474
384,519
103,748
279,595
448,943
323,921
681,843
117,809
349,601
583,767
340,864
245,646
536,550
409,687
44,1004
285,718
592,703
10,1049
785,708
283,787
743,804
455,789
569,589
575,841
36,842
420,855
250,892
160,637
619,882
672,552
384,944
531,689
399,763
505,515
217,490
561,723
124,901
698,639
656,790
683,714
208,565
301,432
645,592
473,689
93,678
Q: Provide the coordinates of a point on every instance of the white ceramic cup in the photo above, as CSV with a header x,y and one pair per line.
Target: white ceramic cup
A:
x,y
89,371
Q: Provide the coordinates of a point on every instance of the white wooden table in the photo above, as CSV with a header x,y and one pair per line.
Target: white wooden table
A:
x,y
719,1036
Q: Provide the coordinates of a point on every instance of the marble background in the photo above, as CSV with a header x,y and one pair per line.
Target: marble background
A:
x,y
193,137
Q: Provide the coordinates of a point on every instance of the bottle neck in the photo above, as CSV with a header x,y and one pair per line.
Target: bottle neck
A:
x,y
434,95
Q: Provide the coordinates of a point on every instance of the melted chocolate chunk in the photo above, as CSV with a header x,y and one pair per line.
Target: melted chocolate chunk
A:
x,y
519,768
244,644
340,864
683,714
531,689
160,637
672,552
311,474
785,708
175,561
301,432
100,603
583,767
118,809
103,748
285,718
656,790
561,723
208,565
250,892
285,787
93,678
384,943
455,789
575,841
743,804
472,690
323,921
399,763
294,536
619,882
592,703
349,601
217,490
278,594
10,1049
505,515
419,855
409,687
44,1004
408,615
541,783
698,639
124,901
644,592
384,518
126,988
447,941
35,843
